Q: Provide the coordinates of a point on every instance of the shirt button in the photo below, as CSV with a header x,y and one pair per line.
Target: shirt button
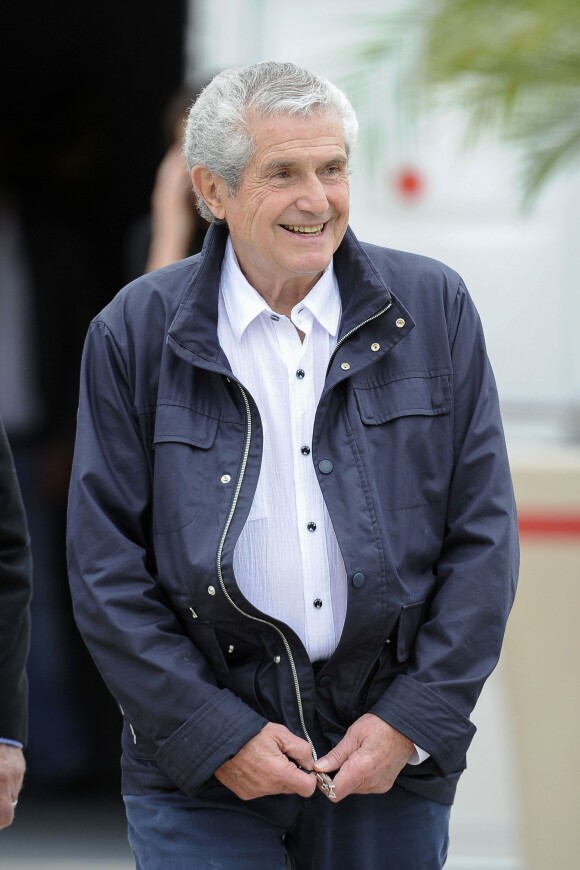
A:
x,y
311,527
325,466
305,450
358,580
300,373
317,603
274,317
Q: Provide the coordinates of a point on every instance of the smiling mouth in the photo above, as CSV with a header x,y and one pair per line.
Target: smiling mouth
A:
x,y
302,230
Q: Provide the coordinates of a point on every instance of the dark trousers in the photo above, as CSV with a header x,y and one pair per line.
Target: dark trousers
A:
x,y
394,831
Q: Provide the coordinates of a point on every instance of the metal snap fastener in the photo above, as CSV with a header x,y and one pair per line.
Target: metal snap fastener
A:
x,y
231,648
305,450
277,660
211,590
399,322
225,478
345,366
311,527
375,346
317,603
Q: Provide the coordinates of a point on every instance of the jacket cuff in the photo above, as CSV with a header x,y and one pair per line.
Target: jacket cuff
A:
x,y
208,739
427,720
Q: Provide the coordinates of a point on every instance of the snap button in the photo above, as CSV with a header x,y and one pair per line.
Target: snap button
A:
x,y
305,450
399,322
300,373
358,580
325,681
317,603
276,660
225,478
231,648
325,466
375,346
211,590
345,366
311,527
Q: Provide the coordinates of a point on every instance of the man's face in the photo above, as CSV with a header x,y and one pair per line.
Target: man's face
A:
x,y
290,212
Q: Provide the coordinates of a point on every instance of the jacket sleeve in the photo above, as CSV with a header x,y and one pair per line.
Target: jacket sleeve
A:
x,y
15,592
459,644
157,676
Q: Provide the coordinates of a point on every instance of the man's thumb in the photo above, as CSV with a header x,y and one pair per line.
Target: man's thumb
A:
x,y
334,759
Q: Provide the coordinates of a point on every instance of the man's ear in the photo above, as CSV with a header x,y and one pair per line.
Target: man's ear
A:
x,y
211,188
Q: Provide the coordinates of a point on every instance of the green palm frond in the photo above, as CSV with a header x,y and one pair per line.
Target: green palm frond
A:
x,y
512,65
515,66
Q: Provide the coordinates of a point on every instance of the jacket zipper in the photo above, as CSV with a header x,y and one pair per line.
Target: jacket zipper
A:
x,y
223,586
355,329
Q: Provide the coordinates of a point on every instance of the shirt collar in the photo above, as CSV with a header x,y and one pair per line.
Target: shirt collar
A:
x,y
243,303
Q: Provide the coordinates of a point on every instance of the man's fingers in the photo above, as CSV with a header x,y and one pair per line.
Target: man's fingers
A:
x,y
299,782
337,756
295,748
270,764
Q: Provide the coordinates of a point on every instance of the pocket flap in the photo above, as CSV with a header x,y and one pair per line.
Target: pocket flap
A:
x,y
424,395
180,423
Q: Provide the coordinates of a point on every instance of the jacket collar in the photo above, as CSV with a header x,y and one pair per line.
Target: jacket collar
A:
x,y
194,327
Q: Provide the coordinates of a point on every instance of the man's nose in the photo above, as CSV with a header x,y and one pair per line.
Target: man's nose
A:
x,y
312,196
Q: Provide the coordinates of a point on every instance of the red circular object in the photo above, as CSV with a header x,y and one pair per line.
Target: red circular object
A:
x,y
409,182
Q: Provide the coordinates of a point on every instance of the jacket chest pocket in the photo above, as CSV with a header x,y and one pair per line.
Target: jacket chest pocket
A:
x,y
183,472
407,430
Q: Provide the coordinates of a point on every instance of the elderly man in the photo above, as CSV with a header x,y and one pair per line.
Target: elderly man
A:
x,y
292,535
15,591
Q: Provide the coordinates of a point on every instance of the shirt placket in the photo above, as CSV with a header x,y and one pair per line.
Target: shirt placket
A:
x,y
318,619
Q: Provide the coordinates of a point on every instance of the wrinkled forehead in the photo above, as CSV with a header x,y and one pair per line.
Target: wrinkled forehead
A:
x,y
296,137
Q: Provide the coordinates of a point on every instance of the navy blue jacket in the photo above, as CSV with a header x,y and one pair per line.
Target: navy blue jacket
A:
x,y
410,457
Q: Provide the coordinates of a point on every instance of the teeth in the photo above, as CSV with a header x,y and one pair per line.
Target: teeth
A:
x,y
302,229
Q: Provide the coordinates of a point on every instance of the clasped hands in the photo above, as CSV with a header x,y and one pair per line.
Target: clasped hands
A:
x,y
366,761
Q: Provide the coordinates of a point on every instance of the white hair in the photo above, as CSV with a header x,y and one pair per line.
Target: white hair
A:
x,y
218,134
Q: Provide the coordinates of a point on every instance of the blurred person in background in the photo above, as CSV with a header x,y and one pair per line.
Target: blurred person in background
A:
x,y
15,593
292,534
173,229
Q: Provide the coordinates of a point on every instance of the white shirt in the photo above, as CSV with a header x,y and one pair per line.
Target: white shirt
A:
x,y
287,560
286,569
